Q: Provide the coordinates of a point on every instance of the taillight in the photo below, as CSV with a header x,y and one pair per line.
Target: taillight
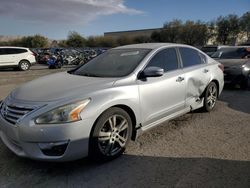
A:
x,y
221,66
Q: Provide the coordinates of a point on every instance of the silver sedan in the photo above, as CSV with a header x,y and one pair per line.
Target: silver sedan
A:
x,y
97,108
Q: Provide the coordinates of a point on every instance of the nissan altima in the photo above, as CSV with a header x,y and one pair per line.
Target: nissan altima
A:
x,y
96,109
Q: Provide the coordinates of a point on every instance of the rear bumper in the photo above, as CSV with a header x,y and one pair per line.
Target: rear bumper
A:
x,y
34,62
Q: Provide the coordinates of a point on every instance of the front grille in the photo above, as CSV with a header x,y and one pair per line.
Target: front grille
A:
x,y
13,113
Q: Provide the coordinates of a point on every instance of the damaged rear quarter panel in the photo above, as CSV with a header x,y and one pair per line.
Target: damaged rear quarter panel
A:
x,y
197,80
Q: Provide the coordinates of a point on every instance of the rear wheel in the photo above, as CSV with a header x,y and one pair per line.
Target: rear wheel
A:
x,y
210,98
110,135
24,65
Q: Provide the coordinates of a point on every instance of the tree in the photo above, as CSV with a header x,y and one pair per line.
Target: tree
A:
x,y
62,43
75,40
124,40
54,44
156,36
245,24
141,39
106,41
194,33
171,31
101,41
190,32
36,41
211,31
227,29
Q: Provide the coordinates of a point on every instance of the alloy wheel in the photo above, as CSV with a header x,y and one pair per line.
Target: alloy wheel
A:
x,y
113,135
24,65
212,96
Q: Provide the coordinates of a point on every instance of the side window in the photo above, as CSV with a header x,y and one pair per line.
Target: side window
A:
x,y
171,59
203,58
157,61
190,57
165,59
19,51
10,51
14,51
2,51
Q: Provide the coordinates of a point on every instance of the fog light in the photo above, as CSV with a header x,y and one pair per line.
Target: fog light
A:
x,y
54,148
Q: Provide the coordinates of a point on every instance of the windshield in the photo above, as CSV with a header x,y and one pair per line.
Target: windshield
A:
x,y
113,63
230,53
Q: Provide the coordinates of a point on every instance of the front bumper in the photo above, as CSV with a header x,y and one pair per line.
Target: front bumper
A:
x,y
234,75
29,141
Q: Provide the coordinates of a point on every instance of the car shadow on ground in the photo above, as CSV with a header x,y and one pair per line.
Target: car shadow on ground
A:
x,y
126,171
237,99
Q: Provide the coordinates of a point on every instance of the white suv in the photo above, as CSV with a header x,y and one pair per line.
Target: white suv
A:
x,y
19,57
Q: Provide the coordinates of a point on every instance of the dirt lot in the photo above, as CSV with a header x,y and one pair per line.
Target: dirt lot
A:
x,y
195,150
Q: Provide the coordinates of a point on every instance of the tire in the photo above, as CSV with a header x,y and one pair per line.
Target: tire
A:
x,y
59,65
110,135
245,83
210,97
24,65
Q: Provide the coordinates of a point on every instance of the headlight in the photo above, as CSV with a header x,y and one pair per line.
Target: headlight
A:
x,y
63,114
245,68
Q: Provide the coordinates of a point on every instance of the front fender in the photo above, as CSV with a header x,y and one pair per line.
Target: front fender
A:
x,y
105,99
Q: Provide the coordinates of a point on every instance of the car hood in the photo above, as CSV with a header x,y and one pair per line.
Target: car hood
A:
x,y
60,86
232,62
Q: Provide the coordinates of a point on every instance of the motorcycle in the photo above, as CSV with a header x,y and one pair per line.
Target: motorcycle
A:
x,y
55,62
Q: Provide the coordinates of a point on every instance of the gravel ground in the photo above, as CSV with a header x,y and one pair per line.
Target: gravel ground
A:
x,y
195,150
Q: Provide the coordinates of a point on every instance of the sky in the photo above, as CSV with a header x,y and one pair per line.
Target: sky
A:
x,y
55,18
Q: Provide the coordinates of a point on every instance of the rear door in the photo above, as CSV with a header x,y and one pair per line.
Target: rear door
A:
x,y
19,54
197,73
162,96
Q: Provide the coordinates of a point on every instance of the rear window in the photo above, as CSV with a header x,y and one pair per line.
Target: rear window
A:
x,y
191,57
230,53
209,49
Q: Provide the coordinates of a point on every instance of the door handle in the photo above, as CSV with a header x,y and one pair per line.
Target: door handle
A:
x,y
179,79
205,70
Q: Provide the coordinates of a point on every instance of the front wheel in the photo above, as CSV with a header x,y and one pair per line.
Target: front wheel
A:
x,y
110,135
210,98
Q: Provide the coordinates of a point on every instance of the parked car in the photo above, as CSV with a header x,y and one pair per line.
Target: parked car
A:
x,y
95,109
236,64
19,57
43,55
211,49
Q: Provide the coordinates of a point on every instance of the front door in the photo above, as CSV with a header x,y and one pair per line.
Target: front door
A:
x,y
162,96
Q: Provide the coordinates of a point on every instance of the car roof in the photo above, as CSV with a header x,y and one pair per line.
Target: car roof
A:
x,y
13,47
233,47
152,45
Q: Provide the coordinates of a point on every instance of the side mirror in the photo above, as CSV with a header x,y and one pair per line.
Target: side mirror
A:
x,y
152,72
